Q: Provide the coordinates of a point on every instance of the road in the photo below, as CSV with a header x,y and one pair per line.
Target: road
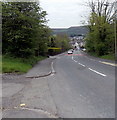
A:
x,y
83,87
80,87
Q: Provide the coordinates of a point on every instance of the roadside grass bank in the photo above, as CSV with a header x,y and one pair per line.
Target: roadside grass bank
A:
x,y
18,65
108,57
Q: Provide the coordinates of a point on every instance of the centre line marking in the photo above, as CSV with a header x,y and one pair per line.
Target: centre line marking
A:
x,y
81,64
97,72
75,61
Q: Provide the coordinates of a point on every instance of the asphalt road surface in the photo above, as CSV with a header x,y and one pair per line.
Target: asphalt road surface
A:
x,y
83,87
80,87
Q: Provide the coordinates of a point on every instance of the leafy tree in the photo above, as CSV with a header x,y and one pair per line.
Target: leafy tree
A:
x,y
101,36
59,41
62,41
23,28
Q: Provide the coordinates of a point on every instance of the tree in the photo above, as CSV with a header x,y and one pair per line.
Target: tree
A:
x,y
60,42
43,40
23,28
101,36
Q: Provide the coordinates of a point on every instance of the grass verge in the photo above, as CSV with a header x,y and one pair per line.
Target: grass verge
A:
x,y
19,65
108,57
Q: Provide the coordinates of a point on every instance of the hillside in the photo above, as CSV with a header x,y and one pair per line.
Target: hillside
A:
x,y
77,30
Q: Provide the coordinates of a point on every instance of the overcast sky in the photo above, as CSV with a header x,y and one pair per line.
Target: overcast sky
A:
x,y
65,13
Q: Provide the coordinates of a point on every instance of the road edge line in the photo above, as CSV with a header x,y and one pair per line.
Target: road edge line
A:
x,y
107,63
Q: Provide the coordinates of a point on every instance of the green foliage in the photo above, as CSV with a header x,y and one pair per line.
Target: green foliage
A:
x,y
20,65
101,36
43,41
62,41
72,31
59,41
109,57
24,29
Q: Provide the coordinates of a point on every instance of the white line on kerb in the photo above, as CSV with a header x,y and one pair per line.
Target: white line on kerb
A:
x,y
53,71
81,64
97,72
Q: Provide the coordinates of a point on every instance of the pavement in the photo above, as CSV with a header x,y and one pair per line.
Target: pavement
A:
x,y
28,95
41,69
30,100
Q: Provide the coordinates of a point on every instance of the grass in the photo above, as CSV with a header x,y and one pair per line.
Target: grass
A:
x,y
92,54
108,57
18,65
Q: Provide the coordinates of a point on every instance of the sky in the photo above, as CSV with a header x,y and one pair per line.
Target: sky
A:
x,y
65,13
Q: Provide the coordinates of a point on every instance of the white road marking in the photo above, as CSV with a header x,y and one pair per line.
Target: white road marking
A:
x,y
97,72
81,64
112,64
75,61
90,68
50,115
53,71
52,74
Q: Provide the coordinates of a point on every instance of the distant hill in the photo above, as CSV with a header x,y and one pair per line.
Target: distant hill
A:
x,y
77,30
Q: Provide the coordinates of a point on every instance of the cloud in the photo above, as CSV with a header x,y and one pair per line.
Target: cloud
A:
x,y
64,13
